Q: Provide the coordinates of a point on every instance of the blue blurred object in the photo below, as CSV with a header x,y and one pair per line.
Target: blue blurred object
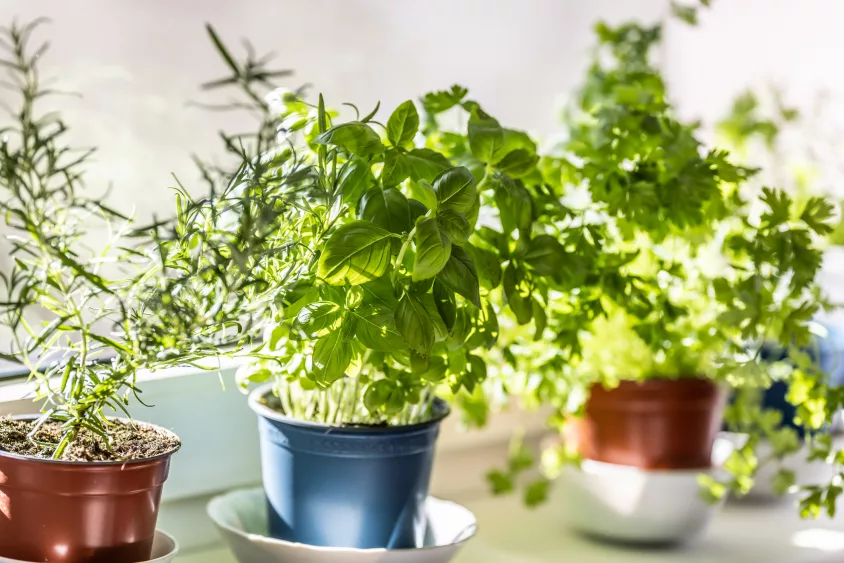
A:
x,y
826,354
356,487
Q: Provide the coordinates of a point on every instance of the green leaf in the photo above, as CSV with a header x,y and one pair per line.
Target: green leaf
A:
x,y
417,164
425,164
514,141
783,481
317,319
380,292
440,329
403,124
424,193
332,355
460,276
537,493
415,325
417,210
355,178
455,225
515,205
396,168
433,249
377,329
446,304
517,163
456,190
486,136
818,215
355,253
686,13
540,319
355,137
545,256
520,304
487,263
443,100
387,208
500,482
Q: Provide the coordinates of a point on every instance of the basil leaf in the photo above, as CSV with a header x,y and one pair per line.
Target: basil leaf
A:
x,y
446,304
433,249
415,325
440,330
417,164
396,168
403,124
380,292
486,136
425,164
355,177
515,205
455,225
357,252
387,208
424,193
520,305
355,137
513,141
332,355
460,276
417,210
487,264
545,255
377,329
317,319
517,163
456,190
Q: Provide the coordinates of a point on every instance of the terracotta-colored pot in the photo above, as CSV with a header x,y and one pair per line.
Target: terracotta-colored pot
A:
x,y
655,424
79,512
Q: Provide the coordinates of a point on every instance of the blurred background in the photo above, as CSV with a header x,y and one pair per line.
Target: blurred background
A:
x,y
138,64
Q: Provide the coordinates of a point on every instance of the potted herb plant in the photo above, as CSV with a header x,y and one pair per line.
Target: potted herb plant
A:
x,y
375,303
80,484
703,273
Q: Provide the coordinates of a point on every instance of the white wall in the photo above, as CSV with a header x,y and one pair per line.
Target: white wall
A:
x,y
138,62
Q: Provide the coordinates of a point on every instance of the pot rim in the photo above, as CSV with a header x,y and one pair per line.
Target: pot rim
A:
x,y
442,408
98,463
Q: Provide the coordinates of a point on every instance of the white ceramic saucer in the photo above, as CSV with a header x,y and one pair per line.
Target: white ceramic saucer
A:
x,y
164,550
629,504
241,518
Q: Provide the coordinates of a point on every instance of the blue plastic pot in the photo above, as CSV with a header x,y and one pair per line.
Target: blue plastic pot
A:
x,y
337,486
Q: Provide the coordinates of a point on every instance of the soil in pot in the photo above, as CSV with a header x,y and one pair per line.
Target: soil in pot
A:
x,y
94,506
654,424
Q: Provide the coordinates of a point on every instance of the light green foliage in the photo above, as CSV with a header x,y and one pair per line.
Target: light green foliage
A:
x,y
631,251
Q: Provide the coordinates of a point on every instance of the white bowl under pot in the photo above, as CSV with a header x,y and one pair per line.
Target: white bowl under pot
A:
x,y
631,505
241,518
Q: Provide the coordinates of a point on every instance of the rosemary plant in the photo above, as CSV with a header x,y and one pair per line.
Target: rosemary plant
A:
x,y
149,298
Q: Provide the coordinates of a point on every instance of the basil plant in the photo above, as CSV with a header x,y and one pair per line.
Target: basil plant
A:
x,y
379,299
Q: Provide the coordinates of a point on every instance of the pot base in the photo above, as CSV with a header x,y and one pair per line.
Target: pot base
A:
x,y
164,550
241,518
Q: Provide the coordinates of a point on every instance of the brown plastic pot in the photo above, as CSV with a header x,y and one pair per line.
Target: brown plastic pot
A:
x,y
656,424
79,512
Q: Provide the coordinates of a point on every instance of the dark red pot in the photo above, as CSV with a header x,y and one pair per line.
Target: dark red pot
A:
x,y
77,512
655,424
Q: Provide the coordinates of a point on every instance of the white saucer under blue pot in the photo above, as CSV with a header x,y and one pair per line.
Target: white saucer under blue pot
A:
x,y
241,518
